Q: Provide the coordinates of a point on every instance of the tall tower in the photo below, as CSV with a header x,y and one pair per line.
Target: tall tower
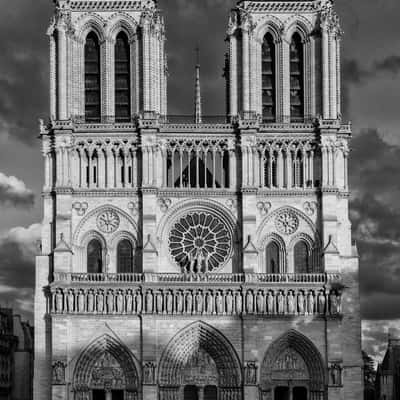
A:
x,y
196,260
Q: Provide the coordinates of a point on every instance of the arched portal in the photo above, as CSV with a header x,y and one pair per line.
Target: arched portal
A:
x,y
293,369
199,357
105,370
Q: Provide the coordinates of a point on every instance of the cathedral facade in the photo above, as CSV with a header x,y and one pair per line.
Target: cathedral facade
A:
x,y
200,258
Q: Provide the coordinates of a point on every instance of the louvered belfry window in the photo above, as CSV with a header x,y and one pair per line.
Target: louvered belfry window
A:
x,y
122,79
296,79
92,79
268,79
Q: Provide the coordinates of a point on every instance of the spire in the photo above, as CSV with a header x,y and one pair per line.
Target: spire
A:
x,y
197,106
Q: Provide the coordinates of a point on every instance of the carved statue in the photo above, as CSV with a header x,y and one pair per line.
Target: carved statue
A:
x,y
281,303
239,302
251,373
129,302
199,302
300,302
209,303
229,303
260,302
149,373
334,303
321,303
170,302
59,301
90,301
81,301
189,302
110,302
311,302
270,303
71,301
139,302
58,373
120,302
179,302
100,302
159,302
220,303
249,302
335,375
290,302
149,302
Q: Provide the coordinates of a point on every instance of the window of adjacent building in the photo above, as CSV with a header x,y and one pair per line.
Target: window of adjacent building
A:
x,y
92,78
272,258
124,257
296,79
268,79
301,258
94,257
122,79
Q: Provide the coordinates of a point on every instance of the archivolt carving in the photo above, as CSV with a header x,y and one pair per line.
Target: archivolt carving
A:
x,y
105,362
297,23
303,361
208,206
88,22
94,213
121,21
269,23
305,224
210,347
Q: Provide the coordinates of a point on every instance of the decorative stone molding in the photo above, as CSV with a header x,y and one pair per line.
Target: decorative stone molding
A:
x,y
286,222
264,207
80,208
191,301
108,221
310,207
149,373
133,207
164,204
58,376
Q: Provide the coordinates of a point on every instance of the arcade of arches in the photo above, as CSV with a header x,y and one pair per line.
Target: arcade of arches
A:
x,y
199,363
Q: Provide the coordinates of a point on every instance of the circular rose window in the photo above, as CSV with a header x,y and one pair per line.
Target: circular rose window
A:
x,y
200,242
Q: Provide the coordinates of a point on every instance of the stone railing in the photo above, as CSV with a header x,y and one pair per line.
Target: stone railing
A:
x,y
319,279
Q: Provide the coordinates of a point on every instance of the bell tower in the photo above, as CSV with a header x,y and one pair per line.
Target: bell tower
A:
x,y
284,60
107,60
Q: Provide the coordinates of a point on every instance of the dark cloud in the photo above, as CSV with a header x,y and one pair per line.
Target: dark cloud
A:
x,y
375,215
389,64
13,192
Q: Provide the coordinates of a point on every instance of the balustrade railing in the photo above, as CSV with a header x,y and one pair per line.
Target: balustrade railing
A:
x,y
312,278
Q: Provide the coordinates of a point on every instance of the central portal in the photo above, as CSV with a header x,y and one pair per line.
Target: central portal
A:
x,y
103,395
192,392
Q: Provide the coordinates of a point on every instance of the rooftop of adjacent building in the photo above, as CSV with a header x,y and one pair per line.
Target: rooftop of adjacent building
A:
x,y
13,328
392,356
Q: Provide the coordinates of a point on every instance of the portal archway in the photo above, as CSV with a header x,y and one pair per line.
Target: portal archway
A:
x,y
199,357
106,370
292,369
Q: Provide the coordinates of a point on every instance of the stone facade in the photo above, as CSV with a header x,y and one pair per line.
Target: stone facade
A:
x,y
197,259
16,357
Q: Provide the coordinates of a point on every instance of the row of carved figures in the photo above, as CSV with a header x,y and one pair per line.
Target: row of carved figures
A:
x,y
197,301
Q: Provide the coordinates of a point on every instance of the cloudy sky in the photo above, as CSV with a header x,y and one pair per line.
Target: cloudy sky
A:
x,y
371,77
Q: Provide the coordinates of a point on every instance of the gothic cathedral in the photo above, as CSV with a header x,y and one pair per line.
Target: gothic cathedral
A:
x,y
196,258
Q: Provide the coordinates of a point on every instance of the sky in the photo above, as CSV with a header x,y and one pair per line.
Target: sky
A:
x,y
371,86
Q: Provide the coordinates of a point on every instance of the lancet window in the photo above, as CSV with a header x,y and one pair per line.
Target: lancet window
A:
x,y
92,78
197,165
125,257
301,258
296,79
268,79
273,258
122,79
94,257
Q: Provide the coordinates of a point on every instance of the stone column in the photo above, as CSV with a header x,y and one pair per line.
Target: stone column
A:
x,y
53,76
325,72
245,70
233,76
62,72
109,78
146,61
286,81
332,74
338,76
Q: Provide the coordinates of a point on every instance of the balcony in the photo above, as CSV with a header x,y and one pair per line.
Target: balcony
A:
x,y
269,295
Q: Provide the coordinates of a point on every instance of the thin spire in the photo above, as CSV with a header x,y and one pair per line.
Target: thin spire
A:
x,y
197,106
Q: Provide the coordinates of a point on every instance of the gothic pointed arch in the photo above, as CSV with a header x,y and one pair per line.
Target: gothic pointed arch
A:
x,y
294,355
200,353
105,362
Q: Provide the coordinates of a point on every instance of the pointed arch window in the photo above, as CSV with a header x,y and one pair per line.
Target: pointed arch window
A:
x,y
273,259
296,79
122,79
94,257
268,79
92,78
125,257
301,258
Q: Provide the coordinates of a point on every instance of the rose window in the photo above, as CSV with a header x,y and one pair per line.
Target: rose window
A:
x,y
287,223
200,242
